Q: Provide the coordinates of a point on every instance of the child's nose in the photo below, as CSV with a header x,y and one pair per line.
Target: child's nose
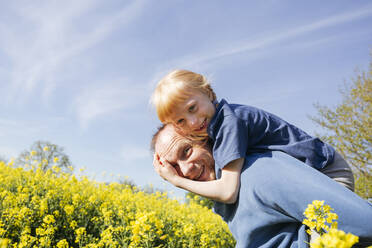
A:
x,y
193,122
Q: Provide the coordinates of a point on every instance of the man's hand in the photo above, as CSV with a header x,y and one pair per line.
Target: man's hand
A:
x,y
164,169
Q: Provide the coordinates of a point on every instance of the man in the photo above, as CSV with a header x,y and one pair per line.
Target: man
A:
x,y
274,192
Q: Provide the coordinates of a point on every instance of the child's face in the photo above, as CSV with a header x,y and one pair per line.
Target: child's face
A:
x,y
194,114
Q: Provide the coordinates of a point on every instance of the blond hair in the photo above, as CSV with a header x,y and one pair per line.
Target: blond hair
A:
x,y
175,88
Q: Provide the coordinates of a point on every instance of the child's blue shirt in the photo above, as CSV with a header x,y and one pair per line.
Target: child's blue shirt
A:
x,y
239,130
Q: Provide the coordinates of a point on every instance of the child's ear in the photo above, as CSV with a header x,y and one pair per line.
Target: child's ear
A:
x,y
210,95
209,92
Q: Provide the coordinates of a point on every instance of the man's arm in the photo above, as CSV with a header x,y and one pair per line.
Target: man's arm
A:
x,y
225,189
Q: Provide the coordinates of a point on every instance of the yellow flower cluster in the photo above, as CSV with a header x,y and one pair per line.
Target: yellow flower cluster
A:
x,y
335,239
57,209
318,214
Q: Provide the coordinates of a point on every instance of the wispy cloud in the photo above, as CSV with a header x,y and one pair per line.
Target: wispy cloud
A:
x,y
36,55
17,128
267,39
134,153
14,130
98,101
7,152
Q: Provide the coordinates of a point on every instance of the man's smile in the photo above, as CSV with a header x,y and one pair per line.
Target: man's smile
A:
x,y
200,174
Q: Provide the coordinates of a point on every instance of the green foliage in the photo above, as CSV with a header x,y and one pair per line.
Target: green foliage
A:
x,y
128,182
349,128
44,154
148,189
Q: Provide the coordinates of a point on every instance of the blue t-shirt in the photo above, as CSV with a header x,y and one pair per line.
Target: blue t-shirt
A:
x,y
269,210
239,130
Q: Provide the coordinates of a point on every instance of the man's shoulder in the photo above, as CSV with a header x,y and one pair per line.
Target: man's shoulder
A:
x,y
258,167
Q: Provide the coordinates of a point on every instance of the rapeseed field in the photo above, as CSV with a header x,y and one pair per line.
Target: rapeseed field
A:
x,y
58,209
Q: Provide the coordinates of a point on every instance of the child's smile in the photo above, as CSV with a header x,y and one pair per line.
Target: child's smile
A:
x,y
203,125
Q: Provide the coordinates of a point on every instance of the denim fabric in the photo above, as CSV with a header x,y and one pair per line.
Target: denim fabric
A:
x,y
275,191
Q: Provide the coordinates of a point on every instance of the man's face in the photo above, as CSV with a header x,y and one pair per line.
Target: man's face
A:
x,y
191,160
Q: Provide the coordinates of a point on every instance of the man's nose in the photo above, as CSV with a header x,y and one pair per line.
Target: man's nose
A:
x,y
187,169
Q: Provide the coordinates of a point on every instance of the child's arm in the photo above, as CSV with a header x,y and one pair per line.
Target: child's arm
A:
x,y
225,189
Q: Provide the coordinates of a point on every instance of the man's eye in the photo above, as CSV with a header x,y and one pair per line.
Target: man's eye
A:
x,y
180,122
187,151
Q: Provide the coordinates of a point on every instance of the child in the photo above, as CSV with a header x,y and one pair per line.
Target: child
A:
x,y
186,100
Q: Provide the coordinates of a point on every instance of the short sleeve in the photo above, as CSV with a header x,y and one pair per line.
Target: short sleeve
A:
x,y
231,140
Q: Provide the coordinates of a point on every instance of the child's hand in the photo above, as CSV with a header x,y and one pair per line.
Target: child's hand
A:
x,y
164,169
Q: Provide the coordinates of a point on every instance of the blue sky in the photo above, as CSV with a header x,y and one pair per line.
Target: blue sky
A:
x,y
80,73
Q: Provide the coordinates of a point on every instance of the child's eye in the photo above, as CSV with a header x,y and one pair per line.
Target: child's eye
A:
x,y
192,108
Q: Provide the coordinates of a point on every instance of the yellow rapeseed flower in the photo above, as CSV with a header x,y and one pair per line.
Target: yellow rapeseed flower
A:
x,y
60,204
48,219
73,224
56,169
80,232
4,243
62,244
335,239
11,162
69,209
317,215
